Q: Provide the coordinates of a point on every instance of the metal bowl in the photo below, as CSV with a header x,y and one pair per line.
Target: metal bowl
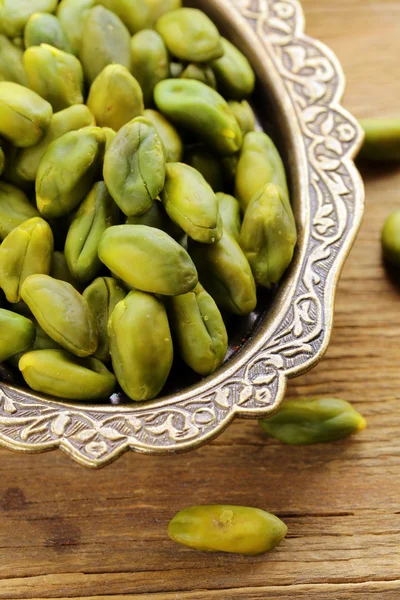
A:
x,y
300,84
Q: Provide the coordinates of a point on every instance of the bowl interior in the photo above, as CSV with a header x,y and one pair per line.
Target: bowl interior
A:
x,y
272,117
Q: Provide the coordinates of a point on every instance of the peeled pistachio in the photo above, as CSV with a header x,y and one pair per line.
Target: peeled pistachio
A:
x,y
11,63
15,208
234,74
62,312
313,421
149,61
227,528
72,16
141,345
27,250
170,138
229,209
14,14
17,334
44,28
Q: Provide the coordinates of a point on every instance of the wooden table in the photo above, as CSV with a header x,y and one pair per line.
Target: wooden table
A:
x,y
66,532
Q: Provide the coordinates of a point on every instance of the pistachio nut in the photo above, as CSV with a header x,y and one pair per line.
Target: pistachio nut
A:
x,y
244,115
44,28
68,170
227,528
43,341
209,165
190,35
160,7
102,296
141,345
259,164
105,40
134,166
135,14
173,145
59,374
229,209
62,312
382,140
55,75
97,212
313,421
11,63
268,235
14,14
15,208
390,238
147,259
149,61
191,203
235,77
199,330
203,73
202,110
27,250
115,97
226,274
24,115
72,16
17,334
110,136
70,119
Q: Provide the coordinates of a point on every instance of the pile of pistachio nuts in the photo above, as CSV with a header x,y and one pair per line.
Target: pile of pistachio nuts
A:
x,y
139,207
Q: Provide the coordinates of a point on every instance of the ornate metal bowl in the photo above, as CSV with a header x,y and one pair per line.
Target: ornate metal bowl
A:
x,y
300,84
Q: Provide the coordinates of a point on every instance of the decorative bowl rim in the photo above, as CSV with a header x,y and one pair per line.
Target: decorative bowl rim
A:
x,y
308,84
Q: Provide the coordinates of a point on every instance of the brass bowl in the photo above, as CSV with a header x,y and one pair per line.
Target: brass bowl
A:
x,y
301,84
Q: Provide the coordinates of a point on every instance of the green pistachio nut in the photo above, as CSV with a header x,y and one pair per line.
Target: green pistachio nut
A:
x,y
115,97
11,63
229,209
197,107
191,203
24,115
10,167
244,115
44,28
105,40
68,170
62,312
226,275
235,77
14,14
382,140
59,270
55,75
190,35
141,345
203,73
207,164
259,164
134,166
97,212
17,334
15,208
27,250
147,259
70,119
157,217
59,374
199,330
102,296
173,145
72,16
227,528
149,61
313,421
158,8
268,235
2,161
390,238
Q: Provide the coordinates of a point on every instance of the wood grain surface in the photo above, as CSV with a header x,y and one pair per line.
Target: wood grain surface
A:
x,y
66,532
